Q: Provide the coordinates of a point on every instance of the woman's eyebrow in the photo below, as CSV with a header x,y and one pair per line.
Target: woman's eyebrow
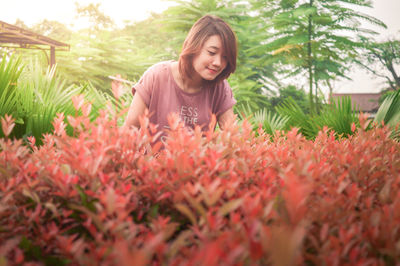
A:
x,y
214,47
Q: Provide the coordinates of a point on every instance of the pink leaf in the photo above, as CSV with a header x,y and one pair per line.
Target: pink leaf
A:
x,y
78,101
353,127
7,124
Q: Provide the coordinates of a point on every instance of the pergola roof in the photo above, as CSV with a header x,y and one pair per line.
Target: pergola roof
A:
x,y
16,37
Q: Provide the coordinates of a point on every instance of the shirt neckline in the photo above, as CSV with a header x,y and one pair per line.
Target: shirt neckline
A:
x,y
179,89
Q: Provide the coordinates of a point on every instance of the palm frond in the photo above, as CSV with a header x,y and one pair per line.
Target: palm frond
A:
x,y
339,116
389,113
271,122
297,118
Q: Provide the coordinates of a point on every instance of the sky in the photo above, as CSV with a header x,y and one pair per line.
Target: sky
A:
x,y
34,11
64,11
363,82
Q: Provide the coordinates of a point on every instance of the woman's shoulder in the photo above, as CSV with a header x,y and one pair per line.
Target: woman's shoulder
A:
x,y
221,86
162,66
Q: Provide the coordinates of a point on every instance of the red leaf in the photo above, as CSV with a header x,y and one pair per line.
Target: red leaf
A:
x,y
324,232
7,124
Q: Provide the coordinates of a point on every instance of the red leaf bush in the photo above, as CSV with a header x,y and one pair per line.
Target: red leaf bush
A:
x,y
110,196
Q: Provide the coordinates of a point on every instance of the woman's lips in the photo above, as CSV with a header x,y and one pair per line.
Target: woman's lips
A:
x,y
213,71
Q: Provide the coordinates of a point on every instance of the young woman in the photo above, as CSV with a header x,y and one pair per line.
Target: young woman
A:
x,y
195,87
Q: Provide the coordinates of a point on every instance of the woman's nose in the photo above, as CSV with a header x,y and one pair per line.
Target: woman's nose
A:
x,y
217,60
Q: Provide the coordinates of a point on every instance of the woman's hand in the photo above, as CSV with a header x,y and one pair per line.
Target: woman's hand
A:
x,y
224,119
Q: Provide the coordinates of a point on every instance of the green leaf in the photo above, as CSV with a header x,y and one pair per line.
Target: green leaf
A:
x,y
304,10
389,113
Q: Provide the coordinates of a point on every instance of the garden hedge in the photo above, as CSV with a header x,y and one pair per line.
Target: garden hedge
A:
x,y
109,195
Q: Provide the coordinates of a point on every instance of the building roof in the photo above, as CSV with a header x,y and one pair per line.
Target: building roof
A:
x,y
16,37
13,35
365,102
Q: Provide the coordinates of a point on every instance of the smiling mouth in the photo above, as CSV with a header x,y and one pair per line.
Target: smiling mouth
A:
x,y
212,70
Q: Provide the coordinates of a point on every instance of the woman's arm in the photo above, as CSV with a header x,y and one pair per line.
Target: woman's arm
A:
x,y
136,109
227,117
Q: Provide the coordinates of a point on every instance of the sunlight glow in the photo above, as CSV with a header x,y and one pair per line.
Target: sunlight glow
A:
x,y
32,12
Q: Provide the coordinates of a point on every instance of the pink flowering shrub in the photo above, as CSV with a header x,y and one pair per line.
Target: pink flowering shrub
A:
x,y
109,196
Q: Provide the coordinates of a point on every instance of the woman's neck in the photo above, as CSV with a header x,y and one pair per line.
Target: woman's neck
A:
x,y
187,85
190,85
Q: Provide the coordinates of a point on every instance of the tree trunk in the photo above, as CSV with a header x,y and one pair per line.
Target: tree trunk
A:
x,y
316,96
310,62
330,90
396,78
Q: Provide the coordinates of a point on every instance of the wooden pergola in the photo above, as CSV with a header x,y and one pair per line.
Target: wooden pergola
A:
x,y
12,36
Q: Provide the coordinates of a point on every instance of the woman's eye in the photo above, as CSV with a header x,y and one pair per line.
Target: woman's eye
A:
x,y
211,53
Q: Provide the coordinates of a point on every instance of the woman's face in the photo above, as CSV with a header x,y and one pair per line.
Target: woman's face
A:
x,y
211,60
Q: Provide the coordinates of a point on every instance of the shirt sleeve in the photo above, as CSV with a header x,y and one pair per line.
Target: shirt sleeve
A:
x,y
226,99
145,86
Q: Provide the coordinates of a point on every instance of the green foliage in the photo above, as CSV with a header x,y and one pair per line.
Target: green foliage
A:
x,y
298,95
95,15
385,56
182,16
40,95
389,113
309,37
297,118
102,50
55,29
100,99
94,57
34,96
339,116
285,39
269,121
10,70
247,91
33,252
385,94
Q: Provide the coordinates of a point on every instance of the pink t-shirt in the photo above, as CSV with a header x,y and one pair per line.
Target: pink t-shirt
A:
x,y
161,94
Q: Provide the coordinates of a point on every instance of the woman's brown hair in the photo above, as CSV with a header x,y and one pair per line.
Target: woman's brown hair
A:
x,y
203,29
